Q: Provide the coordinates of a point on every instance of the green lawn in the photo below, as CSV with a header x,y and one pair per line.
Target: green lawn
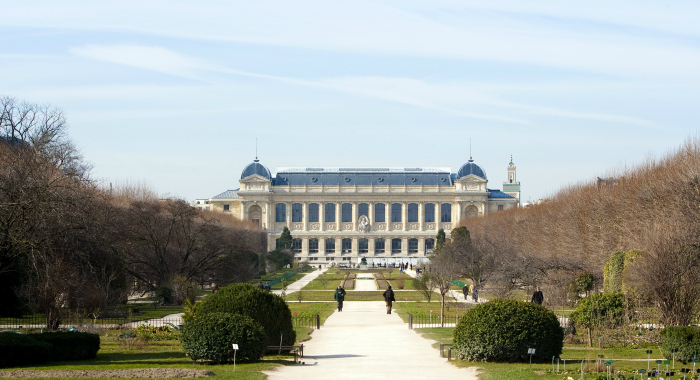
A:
x,y
422,309
543,371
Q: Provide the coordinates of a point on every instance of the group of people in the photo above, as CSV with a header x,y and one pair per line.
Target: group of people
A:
x,y
388,295
265,286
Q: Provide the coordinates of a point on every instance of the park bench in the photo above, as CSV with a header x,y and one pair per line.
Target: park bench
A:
x,y
297,350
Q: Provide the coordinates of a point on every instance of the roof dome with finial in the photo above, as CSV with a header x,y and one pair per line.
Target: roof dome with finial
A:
x,y
471,168
256,167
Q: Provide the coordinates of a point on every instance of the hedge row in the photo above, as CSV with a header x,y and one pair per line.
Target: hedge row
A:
x,y
684,339
26,349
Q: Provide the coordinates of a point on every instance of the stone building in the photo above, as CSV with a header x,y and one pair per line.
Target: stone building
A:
x,y
339,215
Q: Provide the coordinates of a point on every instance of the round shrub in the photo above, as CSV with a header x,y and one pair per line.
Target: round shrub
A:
x,y
502,331
209,338
21,349
265,308
71,345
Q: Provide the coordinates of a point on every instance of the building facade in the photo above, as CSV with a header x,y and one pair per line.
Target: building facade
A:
x,y
387,215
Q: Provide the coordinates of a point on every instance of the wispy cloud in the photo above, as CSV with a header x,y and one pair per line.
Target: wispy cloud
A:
x,y
453,98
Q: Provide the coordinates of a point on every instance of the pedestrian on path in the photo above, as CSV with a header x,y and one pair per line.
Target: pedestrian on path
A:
x,y
465,291
389,298
537,296
339,297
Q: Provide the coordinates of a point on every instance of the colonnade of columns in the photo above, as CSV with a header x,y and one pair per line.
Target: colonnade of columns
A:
x,y
337,223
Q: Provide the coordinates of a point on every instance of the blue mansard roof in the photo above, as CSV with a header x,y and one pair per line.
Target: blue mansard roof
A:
x,y
493,194
471,168
228,194
363,176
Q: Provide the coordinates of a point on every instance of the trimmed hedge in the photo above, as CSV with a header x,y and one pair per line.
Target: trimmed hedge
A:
x,y
502,330
684,339
209,338
21,349
265,308
71,345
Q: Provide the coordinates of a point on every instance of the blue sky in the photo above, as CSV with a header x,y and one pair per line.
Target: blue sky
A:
x,y
174,94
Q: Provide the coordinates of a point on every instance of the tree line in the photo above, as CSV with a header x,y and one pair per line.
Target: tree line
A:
x,y
652,210
68,243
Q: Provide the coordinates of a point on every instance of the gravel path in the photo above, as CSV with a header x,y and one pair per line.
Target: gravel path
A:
x,y
142,373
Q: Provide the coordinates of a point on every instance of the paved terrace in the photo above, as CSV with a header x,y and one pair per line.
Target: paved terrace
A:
x,y
363,342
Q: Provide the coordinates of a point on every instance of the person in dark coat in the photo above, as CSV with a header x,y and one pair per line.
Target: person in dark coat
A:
x,y
389,298
339,297
537,296
465,291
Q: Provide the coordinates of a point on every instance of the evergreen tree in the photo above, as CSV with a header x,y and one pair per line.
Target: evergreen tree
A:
x,y
285,239
439,240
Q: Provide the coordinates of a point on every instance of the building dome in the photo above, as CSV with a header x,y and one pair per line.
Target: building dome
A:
x,y
256,167
471,168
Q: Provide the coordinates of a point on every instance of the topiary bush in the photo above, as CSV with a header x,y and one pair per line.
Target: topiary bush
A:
x,y
684,339
21,349
265,308
502,330
71,345
209,338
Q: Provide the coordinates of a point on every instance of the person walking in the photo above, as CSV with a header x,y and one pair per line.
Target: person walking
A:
x,y
537,296
339,297
389,298
465,291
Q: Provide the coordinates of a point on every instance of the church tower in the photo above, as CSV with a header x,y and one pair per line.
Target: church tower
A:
x,y
512,186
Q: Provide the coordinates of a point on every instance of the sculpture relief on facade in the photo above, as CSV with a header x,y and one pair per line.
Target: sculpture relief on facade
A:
x,y
363,224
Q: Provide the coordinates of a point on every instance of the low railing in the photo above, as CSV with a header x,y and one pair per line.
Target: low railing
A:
x,y
39,322
417,322
311,321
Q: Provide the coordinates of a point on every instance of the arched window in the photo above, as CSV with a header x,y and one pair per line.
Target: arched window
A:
x,y
396,212
296,245
313,212
297,212
413,212
395,245
429,246
347,245
446,212
429,212
280,213
379,213
313,245
363,209
346,215
363,245
379,245
330,213
330,245
412,245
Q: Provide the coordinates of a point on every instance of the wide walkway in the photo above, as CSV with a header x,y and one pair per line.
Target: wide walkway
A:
x,y
363,342
302,282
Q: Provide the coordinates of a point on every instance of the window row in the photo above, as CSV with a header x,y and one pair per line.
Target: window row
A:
x,y
380,245
329,210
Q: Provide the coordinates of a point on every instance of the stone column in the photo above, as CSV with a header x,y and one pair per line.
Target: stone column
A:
x,y
304,246
355,212
421,246
322,246
338,213
321,216
355,246
305,216
288,206
370,246
404,216
421,213
404,246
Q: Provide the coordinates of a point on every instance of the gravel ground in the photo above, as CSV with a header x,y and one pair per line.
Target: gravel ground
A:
x,y
143,373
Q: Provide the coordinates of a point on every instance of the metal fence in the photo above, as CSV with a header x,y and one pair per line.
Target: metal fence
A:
x,y
311,321
417,322
39,322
